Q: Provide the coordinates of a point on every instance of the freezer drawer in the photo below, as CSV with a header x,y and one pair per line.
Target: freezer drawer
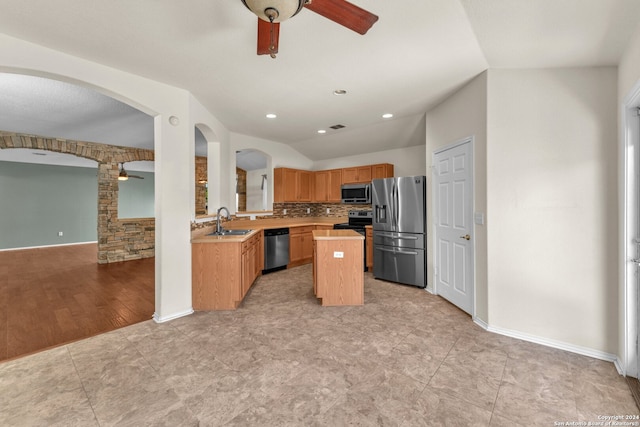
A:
x,y
403,240
400,265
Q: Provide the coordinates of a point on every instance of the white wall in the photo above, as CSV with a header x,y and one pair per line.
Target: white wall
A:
x,y
254,189
462,115
406,161
551,179
629,67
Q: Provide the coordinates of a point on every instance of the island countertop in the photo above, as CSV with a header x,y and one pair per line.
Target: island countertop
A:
x,y
336,235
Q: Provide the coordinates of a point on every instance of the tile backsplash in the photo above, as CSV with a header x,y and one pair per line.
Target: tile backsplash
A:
x,y
301,210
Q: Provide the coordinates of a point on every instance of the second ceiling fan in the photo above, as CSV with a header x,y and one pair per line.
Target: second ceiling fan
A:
x,y
271,12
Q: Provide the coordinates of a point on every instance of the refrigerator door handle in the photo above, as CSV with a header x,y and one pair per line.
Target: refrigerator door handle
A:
x,y
393,236
399,252
393,207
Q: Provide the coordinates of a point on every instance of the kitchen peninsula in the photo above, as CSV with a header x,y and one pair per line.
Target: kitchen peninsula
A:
x,y
225,267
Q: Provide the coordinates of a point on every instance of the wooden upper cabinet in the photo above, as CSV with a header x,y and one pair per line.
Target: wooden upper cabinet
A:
x,y
356,174
291,185
383,170
335,182
296,185
327,185
321,191
304,186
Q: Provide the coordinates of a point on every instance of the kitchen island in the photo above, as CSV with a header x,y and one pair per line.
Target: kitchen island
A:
x,y
338,267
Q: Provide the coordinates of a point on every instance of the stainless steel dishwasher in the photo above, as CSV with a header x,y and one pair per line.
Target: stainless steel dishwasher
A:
x,y
276,249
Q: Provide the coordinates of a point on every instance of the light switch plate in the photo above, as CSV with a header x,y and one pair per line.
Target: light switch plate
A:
x,y
337,254
478,218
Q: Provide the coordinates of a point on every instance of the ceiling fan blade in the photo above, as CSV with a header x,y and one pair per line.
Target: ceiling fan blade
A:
x,y
135,176
344,13
268,35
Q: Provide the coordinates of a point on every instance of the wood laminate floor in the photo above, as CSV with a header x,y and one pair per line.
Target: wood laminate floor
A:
x,y
53,296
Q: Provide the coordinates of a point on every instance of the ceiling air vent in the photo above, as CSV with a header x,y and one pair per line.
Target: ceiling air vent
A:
x,y
336,127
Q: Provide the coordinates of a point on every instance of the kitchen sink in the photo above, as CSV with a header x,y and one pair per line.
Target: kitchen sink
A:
x,y
230,233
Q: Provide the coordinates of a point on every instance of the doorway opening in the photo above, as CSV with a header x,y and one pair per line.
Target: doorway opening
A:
x,y
630,264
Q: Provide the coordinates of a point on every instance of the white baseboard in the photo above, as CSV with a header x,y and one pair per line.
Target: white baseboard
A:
x,y
162,319
47,246
560,345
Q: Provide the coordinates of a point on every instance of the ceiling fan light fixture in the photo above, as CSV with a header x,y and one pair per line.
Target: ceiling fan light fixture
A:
x,y
123,176
274,10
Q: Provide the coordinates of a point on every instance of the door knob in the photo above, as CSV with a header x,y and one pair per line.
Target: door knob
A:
x,y
466,237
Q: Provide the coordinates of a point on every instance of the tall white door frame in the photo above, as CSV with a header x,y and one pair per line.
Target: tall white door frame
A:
x,y
434,203
630,229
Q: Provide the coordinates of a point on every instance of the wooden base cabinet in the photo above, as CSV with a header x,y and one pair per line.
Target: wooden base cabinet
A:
x,y
338,277
222,273
300,245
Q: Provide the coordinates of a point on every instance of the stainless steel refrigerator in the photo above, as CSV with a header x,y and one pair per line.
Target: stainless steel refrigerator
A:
x,y
399,224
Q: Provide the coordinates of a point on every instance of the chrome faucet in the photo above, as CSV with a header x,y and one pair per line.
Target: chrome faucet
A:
x,y
218,225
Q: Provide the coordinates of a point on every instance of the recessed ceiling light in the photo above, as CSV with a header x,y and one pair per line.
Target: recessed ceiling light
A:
x,y
387,116
339,92
271,116
322,131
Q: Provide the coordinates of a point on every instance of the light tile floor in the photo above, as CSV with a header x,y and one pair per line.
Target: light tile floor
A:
x,y
405,358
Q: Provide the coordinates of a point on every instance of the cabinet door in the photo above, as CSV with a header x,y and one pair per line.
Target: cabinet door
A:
x,y
335,181
289,179
356,175
364,174
321,190
384,170
303,190
307,245
349,175
295,247
246,273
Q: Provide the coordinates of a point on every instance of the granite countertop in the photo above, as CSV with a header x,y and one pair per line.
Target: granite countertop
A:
x,y
258,225
336,235
203,238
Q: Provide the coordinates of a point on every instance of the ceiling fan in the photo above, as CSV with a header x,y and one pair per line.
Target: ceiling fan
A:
x,y
123,175
271,12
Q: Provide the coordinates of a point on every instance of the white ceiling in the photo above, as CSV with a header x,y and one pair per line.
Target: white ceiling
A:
x,y
417,54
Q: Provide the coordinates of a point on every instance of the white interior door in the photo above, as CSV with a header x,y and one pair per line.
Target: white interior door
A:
x,y
453,213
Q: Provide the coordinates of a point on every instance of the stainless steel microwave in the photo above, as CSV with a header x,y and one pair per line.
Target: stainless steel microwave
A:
x,y
356,194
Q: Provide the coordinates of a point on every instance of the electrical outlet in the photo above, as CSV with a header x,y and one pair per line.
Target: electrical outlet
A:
x,y
337,254
308,210
284,211
59,233
328,211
